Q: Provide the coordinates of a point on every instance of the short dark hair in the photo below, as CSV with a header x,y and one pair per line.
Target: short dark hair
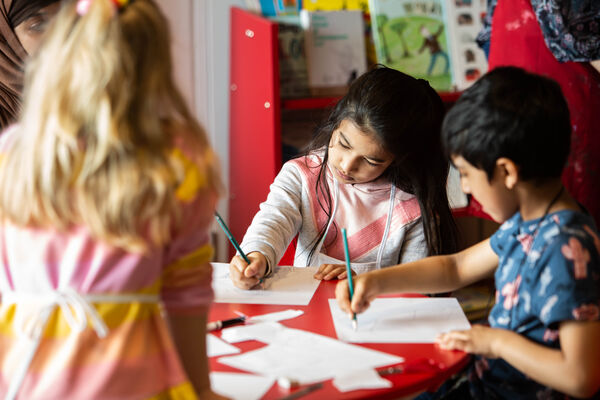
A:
x,y
511,113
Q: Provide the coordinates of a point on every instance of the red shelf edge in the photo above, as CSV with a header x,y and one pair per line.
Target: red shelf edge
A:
x,y
324,102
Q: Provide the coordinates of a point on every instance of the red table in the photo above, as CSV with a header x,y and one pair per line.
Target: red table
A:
x,y
317,319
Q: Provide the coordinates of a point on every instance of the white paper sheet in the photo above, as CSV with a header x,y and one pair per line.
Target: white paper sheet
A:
x,y
287,285
275,316
360,379
217,347
401,320
240,386
264,332
304,356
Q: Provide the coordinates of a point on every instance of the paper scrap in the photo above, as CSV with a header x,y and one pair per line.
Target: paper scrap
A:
x,y
217,347
305,356
360,379
401,320
275,316
240,386
265,332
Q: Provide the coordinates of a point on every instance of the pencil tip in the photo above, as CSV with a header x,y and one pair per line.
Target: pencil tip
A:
x,y
354,324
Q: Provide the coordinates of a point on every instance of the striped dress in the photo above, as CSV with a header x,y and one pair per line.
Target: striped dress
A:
x,y
81,319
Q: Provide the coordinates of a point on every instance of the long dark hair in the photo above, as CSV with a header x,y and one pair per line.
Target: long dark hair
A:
x,y
405,115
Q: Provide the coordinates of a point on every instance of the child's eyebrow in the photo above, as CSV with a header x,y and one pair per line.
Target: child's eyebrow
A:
x,y
374,159
345,139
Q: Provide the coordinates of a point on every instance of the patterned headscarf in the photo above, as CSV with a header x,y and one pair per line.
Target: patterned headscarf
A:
x,y
13,55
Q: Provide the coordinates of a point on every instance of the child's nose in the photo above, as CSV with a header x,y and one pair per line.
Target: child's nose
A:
x,y
464,185
348,164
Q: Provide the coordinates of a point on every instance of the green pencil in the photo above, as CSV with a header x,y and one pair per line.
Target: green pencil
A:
x,y
230,237
349,273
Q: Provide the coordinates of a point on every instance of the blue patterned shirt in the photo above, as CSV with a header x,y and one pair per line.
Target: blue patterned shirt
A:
x,y
546,274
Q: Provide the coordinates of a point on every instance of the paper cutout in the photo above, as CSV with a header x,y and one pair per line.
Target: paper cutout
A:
x,y
275,316
401,320
360,379
217,347
240,386
303,356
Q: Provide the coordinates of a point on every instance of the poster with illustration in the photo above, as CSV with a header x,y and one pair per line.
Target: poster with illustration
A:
x,y
412,36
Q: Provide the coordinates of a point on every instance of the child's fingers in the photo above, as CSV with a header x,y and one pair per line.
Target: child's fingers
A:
x,y
251,270
237,273
455,340
238,263
257,266
362,297
335,272
319,273
342,295
324,271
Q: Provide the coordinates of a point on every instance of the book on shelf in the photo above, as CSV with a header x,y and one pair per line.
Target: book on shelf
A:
x,y
465,20
412,36
335,5
335,49
293,74
272,8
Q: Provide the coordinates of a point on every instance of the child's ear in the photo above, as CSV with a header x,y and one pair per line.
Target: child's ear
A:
x,y
509,172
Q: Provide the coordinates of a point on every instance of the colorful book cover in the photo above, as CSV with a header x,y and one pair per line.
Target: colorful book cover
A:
x,y
335,5
272,8
465,20
411,36
335,49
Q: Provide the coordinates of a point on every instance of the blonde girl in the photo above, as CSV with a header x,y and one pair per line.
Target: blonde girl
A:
x,y
107,190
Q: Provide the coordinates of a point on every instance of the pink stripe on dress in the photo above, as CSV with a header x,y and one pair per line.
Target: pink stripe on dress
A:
x,y
369,237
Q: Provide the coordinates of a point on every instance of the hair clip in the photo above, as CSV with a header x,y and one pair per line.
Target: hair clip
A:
x,y
83,6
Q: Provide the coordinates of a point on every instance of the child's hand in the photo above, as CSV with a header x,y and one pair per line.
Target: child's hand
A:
x,y
477,340
330,271
366,288
246,276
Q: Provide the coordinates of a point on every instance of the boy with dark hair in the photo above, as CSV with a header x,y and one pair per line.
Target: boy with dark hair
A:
x,y
509,136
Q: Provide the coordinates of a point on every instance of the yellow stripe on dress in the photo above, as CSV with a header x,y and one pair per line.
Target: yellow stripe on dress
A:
x,y
184,391
190,261
113,314
194,179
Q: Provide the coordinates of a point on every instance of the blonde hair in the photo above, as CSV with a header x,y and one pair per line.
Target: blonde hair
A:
x,y
95,142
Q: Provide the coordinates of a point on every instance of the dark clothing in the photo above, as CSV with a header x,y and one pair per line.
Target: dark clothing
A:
x,y
571,29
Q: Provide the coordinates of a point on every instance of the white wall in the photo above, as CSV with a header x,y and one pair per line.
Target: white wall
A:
x,y
200,34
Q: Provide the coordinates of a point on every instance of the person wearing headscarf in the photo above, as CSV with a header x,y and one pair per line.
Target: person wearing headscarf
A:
x,y
22,23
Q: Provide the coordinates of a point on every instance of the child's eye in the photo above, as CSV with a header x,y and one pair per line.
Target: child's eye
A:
x,y
371,163
36,24
345,146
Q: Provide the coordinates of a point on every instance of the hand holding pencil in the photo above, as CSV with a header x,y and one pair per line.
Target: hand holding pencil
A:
x,y
245,270
244,275
355,294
